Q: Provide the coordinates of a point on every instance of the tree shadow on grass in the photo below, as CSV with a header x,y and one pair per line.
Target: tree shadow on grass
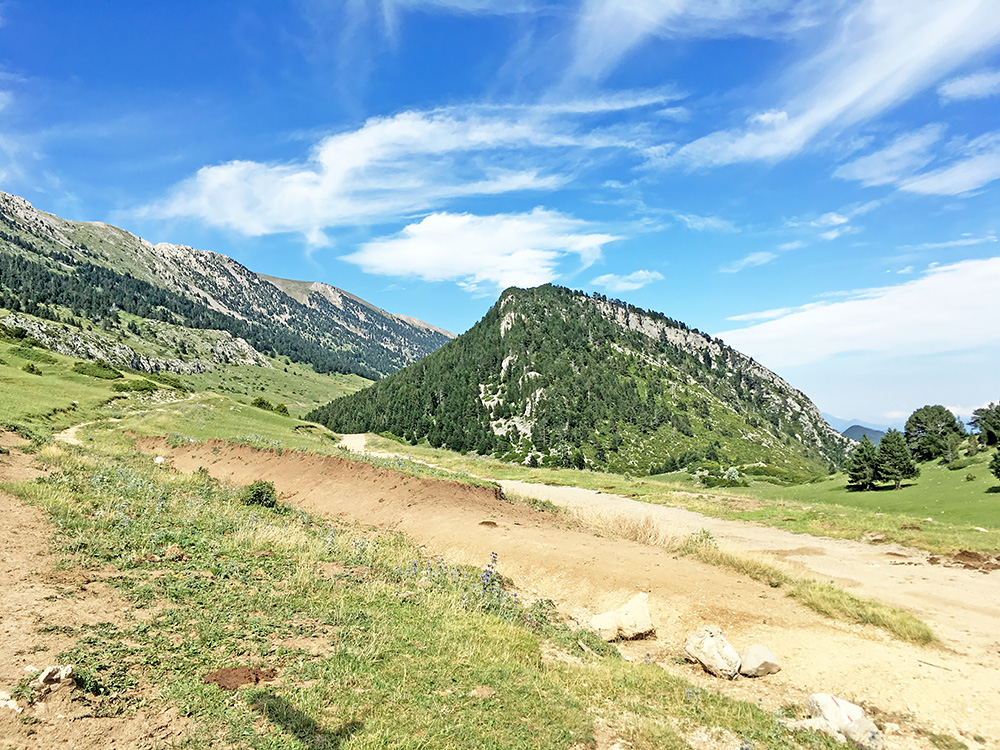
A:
x,y
994,490
309,732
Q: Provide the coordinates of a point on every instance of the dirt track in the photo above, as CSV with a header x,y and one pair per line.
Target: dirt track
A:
x,y
935,688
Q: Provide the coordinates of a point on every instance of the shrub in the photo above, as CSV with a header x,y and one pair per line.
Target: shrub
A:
x,y
135,386
281,409
262,403
169,379
31,369
260,492
97,370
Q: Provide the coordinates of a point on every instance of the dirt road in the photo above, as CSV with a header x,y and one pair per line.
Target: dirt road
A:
x,y
940,688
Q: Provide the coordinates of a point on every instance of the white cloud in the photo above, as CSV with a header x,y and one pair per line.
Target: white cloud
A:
x,y
960,242
904,156
392,167
635,280
607,30
877,56
793,245
905,271
749,261
498,251
706,223
976,86
5,99
831,219
979,165
948,308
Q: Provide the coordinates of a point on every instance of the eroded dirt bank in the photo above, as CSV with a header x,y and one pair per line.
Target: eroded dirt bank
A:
x,y
933,688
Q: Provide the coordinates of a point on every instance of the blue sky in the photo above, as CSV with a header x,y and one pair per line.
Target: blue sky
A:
x,y
815,182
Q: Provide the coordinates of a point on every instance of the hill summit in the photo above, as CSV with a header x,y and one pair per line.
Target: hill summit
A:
x,y
557,377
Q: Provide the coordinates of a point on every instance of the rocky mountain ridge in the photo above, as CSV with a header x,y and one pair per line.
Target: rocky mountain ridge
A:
x,y
308,321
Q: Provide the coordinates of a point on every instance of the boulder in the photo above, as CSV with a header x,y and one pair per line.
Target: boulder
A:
x,y
838,712
840,719
709,648
757,661
631,620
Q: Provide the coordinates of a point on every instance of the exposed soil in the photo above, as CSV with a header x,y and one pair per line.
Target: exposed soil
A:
x,y
951,688
230,678
42,611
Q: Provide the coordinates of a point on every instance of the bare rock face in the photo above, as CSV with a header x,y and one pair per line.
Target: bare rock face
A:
x,y
757,661
708,647
629,621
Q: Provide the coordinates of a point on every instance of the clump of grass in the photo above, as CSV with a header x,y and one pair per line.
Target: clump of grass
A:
x,y
260,492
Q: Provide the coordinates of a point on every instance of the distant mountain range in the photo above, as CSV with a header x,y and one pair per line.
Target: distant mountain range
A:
x,y
856,432
842,425
562,378
62,271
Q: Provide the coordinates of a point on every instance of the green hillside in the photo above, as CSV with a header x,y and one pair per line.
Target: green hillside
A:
x,y
555,377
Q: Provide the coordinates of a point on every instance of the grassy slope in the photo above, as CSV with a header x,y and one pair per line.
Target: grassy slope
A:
x,y
824,508
40,404
383,650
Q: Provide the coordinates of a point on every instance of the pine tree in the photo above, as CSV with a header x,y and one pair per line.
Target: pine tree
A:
x,y
863,466
995,464
894,461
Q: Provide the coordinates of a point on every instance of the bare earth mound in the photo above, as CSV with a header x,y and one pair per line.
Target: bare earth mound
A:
x,y
935,689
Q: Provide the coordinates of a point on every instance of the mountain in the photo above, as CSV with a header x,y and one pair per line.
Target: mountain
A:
x,y
842,425
61,270
857,431
564,378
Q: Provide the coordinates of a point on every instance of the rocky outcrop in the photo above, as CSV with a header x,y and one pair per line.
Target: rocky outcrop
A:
x,y
82,344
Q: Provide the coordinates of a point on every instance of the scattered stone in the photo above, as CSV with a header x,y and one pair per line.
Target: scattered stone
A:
x,y
709,648
7,701
230,678
54,674
757,661
629,621
840,719
159,460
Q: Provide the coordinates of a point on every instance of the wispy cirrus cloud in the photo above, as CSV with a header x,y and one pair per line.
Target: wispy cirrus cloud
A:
x,y
947,308
979,85
629,282
977,165
607,30
906,154
412,162
876,57
484,254
964,241
760,258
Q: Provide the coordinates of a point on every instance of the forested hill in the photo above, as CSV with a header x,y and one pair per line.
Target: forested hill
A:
x,y
58,269
563,378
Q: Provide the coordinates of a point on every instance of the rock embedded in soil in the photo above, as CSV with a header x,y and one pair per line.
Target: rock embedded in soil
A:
x,y
757,661
629,621
840,719
708,647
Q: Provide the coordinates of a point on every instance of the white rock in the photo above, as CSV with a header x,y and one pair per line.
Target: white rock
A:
x,y
863,733
631,620
709,648
6,701
757,661
838,712
159,460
